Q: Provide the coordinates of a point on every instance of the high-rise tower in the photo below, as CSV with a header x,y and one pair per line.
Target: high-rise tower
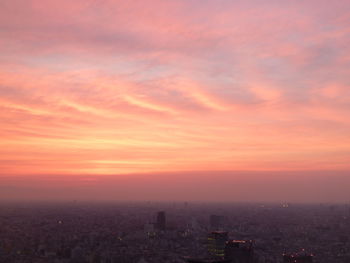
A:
x,y
161,220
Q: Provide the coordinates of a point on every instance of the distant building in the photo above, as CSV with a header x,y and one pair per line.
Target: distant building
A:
x,y
150,230
78,255
161,220
216,222
142,260
217,243
194,224
295,258
196,260
239,251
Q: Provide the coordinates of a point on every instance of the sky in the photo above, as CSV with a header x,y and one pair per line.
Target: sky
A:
x,y
136,99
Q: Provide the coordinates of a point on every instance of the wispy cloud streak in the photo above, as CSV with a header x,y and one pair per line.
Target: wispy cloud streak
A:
x,y
128,87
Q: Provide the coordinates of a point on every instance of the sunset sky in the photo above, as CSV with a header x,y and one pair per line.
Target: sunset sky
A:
x,y
175,92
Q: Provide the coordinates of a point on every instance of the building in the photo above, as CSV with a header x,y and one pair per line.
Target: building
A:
x,y
217,243
216,222
161,220
150,230
197,260
296,258
239,251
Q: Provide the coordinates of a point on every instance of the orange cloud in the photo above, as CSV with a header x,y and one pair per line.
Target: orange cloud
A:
x,y
122,88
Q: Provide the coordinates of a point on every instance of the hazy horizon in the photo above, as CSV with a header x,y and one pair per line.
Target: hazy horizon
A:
x,y
237,186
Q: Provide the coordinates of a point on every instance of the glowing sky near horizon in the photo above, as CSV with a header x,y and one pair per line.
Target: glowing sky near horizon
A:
x,y
118,87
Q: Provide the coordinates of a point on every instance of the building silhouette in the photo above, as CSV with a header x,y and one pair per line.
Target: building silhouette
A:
x,y
239,251
161,221
217,243
216,222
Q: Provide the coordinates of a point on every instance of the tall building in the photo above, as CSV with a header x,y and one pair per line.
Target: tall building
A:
x,y
216,222
161,220
217,243
296,258
239,251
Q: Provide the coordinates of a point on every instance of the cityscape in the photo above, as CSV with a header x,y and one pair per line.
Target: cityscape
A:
x,y
155,232
174,131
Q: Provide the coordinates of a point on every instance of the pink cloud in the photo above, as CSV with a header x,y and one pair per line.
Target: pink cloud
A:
x,y
129,87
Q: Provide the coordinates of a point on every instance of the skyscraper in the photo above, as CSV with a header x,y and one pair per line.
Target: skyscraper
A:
x,y
161,220
216,243
239,251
